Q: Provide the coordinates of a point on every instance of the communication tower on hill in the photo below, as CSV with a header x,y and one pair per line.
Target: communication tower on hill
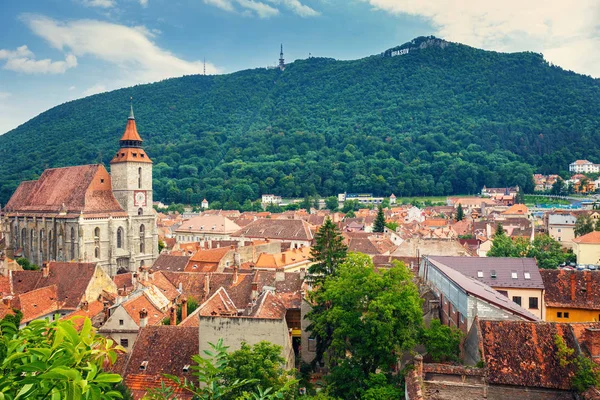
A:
x,y
281,60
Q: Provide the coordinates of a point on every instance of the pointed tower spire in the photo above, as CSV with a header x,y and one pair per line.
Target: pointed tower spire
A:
x,y
131,143
131,108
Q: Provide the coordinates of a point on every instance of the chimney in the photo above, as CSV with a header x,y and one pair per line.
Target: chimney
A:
x,y
206,286
183,309
573,286
279,275
235,274
6,301
84,305
588,286
283,257
45,270
592,341
254,290
419,365
173,316
302,274
143,318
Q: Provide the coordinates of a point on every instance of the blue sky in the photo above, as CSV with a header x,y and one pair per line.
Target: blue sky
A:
x,y
52,51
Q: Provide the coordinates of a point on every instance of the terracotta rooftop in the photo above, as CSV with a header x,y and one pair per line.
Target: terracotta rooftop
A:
x,y
517,209
281,260
523,353
589,238
39,302
572,289
167,262
280,229
78,317
208,224
206,258
135,305
160,350
83,189
71,280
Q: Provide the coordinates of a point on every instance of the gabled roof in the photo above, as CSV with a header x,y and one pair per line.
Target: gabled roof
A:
x,y
167,262
517,209
281,260
71,280
208,224
83,189
482,291
589,238
524,353
39,302
206,258
502,267
572,289
165,350
281,229
136,304
268,306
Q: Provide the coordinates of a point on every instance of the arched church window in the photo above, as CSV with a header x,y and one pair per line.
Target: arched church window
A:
x,y
97,234
97,252
139,178
120,238
72,243
140,211
142,235
23,237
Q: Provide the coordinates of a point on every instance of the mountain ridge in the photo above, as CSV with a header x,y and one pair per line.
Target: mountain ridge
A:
x,y
446,119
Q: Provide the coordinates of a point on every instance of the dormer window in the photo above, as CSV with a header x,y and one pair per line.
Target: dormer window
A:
x,y
480,274
493,274
527,275
514,275
135,154
186,368
102,180
143,365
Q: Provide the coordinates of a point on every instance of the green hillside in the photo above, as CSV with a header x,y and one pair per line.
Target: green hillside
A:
x,y
442,119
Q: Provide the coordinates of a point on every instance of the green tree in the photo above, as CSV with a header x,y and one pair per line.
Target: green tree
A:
x,y
499,230
51,360
392,226
373,317
331,203
261,364
379,224
558,187
442,342
547,251
583,225
161,245
350,214
328,251
460,214
26,265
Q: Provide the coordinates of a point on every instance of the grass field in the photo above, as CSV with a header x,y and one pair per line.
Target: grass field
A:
x,y
531,200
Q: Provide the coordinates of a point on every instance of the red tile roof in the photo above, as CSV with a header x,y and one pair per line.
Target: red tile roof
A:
x,y
590,238
167,262
135,305
83,189
167,349
571,289
281,229
39,302
524,353
78,317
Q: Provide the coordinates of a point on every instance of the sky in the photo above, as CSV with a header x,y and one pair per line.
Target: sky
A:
x,y
54,51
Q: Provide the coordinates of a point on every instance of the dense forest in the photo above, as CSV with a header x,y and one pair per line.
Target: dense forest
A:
x,y
443,119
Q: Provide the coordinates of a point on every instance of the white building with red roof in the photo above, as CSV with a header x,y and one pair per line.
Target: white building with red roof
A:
x,y
584,167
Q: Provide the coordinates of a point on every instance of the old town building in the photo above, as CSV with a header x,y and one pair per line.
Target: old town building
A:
x,y
82,213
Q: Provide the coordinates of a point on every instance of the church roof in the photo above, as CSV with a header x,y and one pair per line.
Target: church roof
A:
x,y
131,132
83,189
131,144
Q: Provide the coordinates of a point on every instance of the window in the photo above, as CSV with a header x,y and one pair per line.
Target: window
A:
x,y
503,293
124,342
480,274
97,234
517,299
312,345
566,315
462,319
139,178
559,314
143,365
514,275
533,303
527,275
102,180
97,252
72,243
186,368
142,236
140,211
493,274
558,229
120,238
121,322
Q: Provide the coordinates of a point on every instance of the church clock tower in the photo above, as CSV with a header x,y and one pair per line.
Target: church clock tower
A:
x,y
131,177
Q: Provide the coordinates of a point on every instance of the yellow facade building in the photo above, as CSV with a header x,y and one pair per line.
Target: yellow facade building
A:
x,y
587,248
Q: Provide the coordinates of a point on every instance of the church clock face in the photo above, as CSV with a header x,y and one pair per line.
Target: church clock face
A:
x,y
139,199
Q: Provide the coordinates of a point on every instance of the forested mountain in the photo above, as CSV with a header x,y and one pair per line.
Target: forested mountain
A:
x,y
442,119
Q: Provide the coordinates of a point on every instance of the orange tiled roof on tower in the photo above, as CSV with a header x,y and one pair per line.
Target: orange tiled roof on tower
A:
x,y
131,144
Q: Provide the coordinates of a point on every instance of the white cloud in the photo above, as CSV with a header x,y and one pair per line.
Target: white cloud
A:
x,y
97,88
261,9
561,30
297,7
23,60
4,95
99,3
130,48
144,3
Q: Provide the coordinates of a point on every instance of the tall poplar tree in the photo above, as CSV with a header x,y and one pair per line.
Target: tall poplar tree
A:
x,y
460,214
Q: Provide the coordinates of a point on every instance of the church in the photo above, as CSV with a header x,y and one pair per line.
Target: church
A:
x,y
85,214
